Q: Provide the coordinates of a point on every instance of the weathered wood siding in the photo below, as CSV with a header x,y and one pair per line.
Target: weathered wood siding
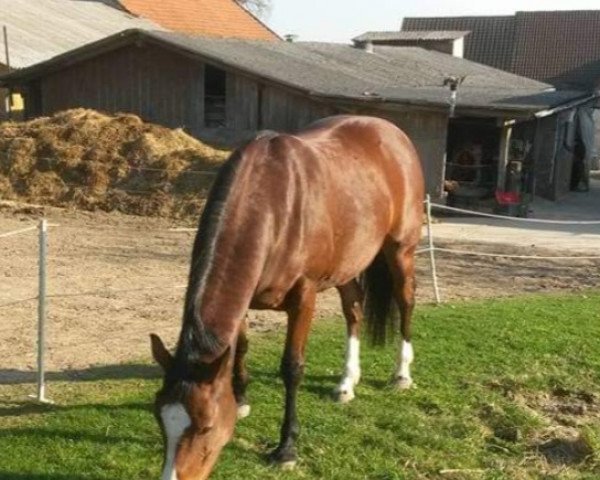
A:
x,y
564,158
596,154
164,87
285,111
151,82
253,106
242,103
554,157
544,153
3,95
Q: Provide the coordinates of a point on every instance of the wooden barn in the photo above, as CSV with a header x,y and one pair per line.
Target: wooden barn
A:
x,y
225,90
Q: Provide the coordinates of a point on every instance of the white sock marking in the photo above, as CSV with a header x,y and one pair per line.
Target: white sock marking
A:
x,y
175,421
405,358
352,368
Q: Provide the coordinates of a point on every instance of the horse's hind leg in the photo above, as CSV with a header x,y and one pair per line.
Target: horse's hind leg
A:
x,y
240,373
352,298
401,258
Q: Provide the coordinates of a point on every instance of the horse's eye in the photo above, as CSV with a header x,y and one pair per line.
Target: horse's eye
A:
x,y
205,429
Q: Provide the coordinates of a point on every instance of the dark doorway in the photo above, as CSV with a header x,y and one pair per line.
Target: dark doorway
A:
x,y
472,160
215,86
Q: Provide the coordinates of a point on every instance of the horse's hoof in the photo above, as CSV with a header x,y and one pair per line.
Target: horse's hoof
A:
x,y
289,465
285,459
243,411
402,383
344,396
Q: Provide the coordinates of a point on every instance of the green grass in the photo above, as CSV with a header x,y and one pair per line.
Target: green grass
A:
x,y
479,368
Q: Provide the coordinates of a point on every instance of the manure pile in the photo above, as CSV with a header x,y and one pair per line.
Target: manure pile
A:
x,y
88,160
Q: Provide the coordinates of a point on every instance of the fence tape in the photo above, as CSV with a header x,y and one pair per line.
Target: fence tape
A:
x,y
137,169
516,219
17,232
17,302
94,293
503,255
110,291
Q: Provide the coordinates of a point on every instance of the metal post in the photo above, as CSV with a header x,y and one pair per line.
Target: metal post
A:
x,y
6,51
41,386
7,63
436,290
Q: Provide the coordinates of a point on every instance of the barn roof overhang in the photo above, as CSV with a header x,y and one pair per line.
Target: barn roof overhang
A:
x,y
471,101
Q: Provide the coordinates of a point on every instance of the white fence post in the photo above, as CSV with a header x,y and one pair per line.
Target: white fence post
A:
x,y
41,350
436,290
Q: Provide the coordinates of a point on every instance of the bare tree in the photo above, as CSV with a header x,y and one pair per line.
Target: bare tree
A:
x,y
260,8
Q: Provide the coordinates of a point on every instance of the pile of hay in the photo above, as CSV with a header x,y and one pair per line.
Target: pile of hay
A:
x,y
85,159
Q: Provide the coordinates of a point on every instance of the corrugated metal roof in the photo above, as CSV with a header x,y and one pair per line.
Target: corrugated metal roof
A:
x,y
41,29
412,35
403,75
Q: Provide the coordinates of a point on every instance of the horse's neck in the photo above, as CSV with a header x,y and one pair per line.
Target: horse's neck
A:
x,y
219,297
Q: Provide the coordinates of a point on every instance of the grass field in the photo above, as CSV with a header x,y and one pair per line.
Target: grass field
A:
x,y
505,389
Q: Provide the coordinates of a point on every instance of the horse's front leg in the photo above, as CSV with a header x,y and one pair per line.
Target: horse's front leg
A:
x,y
300,307
240,373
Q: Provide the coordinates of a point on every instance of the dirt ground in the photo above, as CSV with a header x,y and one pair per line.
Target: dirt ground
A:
x,y
93,256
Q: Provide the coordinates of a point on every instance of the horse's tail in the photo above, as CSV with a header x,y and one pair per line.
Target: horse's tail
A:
x,y
378,309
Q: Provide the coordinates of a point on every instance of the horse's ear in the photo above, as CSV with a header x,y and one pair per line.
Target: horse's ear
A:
x,y
160,352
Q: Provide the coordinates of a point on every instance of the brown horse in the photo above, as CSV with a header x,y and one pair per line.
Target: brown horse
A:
x,y
289,216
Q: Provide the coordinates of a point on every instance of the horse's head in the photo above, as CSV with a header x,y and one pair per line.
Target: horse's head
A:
x,y
196,411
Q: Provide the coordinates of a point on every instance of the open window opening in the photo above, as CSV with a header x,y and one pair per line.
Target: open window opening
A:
x,y
214,97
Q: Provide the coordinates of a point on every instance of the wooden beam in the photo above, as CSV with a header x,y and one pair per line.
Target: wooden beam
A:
x,y
504,153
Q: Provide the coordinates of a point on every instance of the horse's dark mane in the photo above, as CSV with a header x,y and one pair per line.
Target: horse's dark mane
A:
x,y
196,340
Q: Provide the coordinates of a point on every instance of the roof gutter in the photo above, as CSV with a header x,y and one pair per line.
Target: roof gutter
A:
x,y
374,99
567,106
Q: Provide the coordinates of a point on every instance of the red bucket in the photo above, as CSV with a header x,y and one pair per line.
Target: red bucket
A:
x,y
508,198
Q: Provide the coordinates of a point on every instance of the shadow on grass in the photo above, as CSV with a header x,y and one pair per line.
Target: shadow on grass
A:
x,y
7,475
13,409
107,372
322,386
54,434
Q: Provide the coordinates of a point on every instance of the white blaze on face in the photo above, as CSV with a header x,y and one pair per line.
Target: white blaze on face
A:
x,y
175,421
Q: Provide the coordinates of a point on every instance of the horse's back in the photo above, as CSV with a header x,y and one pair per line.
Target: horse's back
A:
x,y
376,160
350,182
